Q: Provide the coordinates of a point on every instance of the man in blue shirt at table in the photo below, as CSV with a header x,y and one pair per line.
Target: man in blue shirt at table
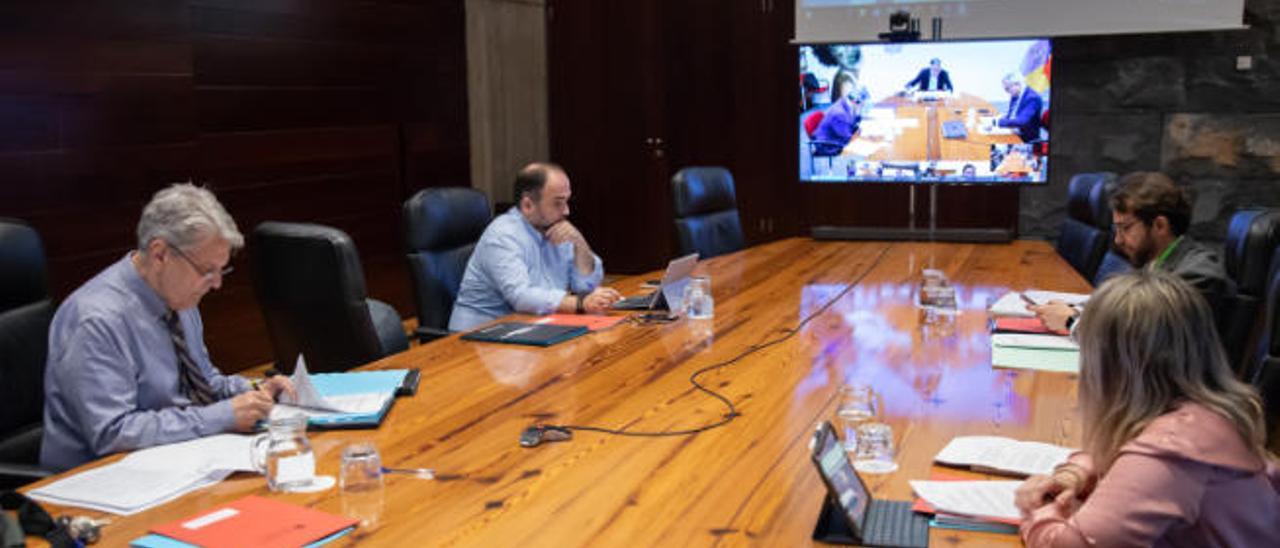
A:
x,y
127,366
1024,108
531,259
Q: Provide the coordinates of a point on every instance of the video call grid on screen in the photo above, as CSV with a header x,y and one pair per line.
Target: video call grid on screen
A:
x,y
960,112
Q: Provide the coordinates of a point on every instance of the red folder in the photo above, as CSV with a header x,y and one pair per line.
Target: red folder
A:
x,y
589,321
255,521
1022,325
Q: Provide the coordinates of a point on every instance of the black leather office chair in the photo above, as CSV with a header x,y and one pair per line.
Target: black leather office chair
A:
x,y
706,212
1081,242
311,288
25,313
1112,262
23,276
24,338
1252,238
1264,372
441,227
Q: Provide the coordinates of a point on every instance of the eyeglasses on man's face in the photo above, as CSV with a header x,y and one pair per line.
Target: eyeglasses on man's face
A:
x,y
210,273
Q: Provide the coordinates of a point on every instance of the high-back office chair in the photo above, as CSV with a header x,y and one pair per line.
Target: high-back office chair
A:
x,y
706,212
1264,372
1100,210
441,227
25,313
1080,241
311,288
23,275
1252,238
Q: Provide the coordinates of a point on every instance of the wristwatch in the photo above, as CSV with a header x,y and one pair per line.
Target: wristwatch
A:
x,y
579,308
1071,320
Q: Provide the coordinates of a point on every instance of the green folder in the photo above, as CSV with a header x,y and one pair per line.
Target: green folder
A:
x,y
1039,359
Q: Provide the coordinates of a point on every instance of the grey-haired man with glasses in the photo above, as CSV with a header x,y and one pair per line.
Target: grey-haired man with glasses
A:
x,y
127,365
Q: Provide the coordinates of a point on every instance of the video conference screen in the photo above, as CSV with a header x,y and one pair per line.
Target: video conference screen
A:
x,y
968,112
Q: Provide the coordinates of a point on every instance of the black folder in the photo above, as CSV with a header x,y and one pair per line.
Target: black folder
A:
x,y
533,334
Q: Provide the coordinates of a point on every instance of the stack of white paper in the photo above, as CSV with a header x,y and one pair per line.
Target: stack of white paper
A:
x,y
1012,304
1000,454
153,476
311,403
983,499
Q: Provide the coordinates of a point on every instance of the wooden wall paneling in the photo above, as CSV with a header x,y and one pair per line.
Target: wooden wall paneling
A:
x,y
306,111
95,108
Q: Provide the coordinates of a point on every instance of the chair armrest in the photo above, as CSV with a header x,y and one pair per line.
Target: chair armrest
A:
x,y
427,334
14,475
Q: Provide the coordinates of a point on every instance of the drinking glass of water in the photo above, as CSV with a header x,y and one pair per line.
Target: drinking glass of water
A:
x,y
856,405
875,453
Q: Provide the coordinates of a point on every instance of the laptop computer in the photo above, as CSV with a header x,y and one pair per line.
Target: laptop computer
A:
x,y
670,290
851,515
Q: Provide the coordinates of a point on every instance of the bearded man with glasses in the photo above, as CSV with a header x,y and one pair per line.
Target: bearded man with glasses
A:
x,y
1150,216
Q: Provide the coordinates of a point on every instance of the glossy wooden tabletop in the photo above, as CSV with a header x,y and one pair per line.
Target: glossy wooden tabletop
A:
x,y
922,140
749,482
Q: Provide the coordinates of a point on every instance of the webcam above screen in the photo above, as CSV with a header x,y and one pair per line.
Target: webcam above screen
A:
x,y
959,112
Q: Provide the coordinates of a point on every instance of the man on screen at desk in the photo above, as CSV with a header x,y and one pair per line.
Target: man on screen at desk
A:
x,y
127,366
932,78
1150,216
1024,108
840,120
531,259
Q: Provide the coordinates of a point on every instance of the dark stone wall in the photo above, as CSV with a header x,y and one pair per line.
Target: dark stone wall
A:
x,y
1169,102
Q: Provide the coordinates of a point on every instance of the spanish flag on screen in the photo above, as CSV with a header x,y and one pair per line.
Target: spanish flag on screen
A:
x,y
1035,67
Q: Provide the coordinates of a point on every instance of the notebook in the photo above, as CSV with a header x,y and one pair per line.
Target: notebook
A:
x,y
525,333
1003,455
851,514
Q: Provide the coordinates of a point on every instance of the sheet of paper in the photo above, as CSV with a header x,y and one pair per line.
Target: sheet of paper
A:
x,y
1028,340
989,499
308,395
1014,357
1042,296
1011,303
222,452
863,147
1003,454
121,488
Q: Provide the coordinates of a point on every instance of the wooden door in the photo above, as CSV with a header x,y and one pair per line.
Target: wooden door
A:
x,y
606,115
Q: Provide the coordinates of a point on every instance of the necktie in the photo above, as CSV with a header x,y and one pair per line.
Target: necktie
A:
x,y
190,378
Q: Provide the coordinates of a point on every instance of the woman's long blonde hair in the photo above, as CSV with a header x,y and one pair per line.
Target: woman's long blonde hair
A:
x,y
1147,344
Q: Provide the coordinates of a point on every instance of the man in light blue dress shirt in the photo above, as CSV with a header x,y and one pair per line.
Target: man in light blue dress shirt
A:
x,y
127,365
531,259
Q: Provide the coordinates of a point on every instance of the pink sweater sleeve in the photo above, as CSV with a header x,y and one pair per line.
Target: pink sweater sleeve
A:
x,y
1134,504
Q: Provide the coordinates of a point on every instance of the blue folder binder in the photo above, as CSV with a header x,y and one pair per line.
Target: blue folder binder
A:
x,y
356,382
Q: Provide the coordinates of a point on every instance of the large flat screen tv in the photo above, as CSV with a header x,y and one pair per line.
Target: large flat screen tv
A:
x,y
966,112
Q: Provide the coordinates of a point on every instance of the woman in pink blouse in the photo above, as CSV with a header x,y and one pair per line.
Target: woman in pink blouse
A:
x,y
1174,446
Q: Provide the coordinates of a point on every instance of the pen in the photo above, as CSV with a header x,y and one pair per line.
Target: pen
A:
x,y
1028,299
421,473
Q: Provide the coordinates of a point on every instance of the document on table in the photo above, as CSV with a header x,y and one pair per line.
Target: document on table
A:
x,y
1012,304
153,476
1032,340
985,499
1037,352
1004,455
863,147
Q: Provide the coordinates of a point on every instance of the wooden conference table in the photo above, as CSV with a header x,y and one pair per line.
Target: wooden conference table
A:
x,y
921,136
749,482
